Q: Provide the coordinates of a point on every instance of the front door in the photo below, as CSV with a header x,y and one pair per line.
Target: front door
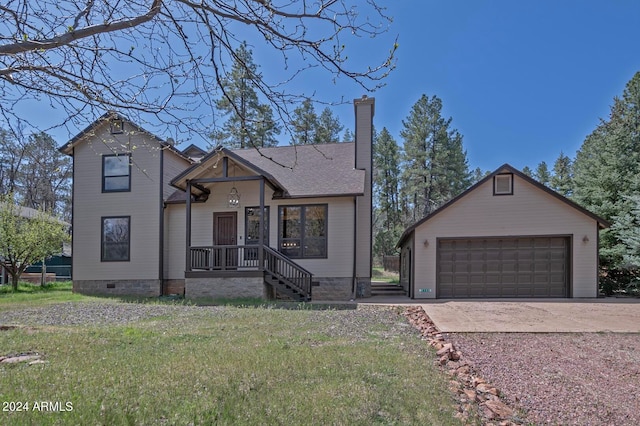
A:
x,y
224,234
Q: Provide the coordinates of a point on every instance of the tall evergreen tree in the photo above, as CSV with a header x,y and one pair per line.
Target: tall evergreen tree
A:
x,y
542,174
606,169
386,181
478,175
527,171
436,167
347,136
249,123
562,179
305,123
329,127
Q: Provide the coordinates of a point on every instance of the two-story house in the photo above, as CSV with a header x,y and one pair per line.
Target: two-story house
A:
x,y
149,219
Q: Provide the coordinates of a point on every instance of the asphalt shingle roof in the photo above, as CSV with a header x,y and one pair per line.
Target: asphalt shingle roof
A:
x,y
310,170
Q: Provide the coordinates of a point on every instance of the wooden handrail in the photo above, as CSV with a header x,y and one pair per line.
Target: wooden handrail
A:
x,y
286,269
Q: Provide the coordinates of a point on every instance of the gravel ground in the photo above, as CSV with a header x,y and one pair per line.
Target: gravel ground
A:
x,y
564,378
73,313
353,323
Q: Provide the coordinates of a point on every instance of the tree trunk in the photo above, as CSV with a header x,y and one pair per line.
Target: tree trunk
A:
x,y
14,281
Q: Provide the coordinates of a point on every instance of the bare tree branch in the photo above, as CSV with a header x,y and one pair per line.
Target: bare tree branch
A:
x,y
161,62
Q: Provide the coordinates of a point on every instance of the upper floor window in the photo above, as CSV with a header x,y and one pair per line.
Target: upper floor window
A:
x,y
503,184
116,173
303,231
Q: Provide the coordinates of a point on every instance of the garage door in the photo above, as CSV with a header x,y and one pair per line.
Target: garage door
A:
x,y
503,267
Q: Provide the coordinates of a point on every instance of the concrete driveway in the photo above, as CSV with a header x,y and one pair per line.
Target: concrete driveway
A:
x,y
532,316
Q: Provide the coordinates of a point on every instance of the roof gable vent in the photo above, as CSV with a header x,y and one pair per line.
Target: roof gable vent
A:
x,y
503,184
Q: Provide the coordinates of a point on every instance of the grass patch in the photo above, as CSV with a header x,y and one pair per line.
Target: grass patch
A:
x,y
379,274
35,295
230,365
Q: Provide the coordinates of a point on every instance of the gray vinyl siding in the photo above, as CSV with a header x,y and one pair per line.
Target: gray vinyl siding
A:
x,y
364,146
172,165
90,204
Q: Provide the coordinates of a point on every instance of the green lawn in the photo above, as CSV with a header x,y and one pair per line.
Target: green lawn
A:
x,y
226,365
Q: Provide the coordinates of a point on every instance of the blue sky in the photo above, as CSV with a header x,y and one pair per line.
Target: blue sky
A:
x,y
522,80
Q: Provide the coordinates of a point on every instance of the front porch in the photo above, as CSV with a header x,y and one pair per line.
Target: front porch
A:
x,y
231,271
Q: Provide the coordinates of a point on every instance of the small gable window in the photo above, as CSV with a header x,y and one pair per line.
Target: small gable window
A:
x,y
503,184
116,173
117,126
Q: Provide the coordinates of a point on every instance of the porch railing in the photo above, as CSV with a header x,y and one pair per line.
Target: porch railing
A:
x,y
288,271
224,258
281,270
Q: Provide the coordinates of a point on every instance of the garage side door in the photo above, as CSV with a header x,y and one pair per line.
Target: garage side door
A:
x,y
503,267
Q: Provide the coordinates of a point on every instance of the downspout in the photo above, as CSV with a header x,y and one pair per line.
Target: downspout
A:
x,y
354,278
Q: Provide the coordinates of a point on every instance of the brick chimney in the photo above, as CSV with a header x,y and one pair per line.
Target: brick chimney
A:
x,y
364,110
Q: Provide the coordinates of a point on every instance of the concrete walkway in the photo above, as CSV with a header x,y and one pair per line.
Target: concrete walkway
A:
x,y
619,315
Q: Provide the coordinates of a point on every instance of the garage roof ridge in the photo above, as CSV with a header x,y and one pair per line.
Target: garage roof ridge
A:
x,y
509,168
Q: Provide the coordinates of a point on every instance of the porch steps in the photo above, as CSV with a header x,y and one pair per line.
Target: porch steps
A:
x,y
379,288
283,288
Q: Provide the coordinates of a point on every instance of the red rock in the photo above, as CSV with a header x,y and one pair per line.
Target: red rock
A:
x,y
499,408
487,388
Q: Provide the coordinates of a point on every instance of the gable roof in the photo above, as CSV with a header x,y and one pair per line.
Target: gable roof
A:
x,y
194,151
300,171
505,168
105,119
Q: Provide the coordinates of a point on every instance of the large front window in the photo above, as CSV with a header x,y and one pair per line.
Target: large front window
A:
x,y
115,238
303,231
116,173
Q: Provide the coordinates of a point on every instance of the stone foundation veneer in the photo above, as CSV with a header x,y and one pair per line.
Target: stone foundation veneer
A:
x,y
175,286
340,289
224,287
146,288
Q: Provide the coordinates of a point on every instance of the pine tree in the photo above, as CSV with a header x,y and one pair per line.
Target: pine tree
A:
x,y
527,171
348,136
478,175
249,123
305,124
606,169
329,127
386,180
542,174
562,179
436,164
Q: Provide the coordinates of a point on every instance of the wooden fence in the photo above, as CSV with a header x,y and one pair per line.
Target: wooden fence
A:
x,y
391,263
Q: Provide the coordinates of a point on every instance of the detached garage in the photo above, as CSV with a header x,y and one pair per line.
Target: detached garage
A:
x,y
508,236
